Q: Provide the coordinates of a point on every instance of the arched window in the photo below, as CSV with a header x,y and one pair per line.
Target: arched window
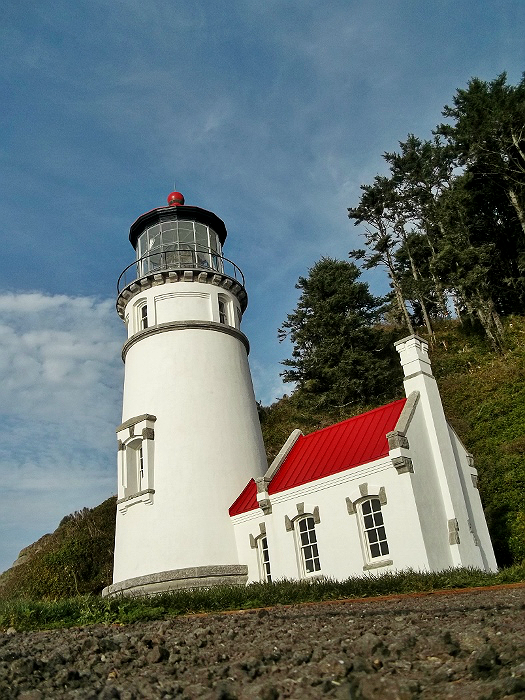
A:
x,y
306,542
225,310
136,438
143,316
140,315
373,528
134,467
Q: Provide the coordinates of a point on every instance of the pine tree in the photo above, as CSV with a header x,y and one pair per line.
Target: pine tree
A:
x,y
339,354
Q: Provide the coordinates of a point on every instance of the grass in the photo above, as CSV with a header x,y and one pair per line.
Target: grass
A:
x,y
25,615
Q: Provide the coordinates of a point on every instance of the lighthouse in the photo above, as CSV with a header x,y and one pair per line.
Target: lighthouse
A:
x,y
190,437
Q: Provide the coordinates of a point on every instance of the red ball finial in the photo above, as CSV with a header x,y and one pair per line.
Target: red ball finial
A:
x,y
175,198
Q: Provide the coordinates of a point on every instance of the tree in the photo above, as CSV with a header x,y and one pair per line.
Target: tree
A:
x,y
487,139
448,222
422,173
378,207
489,133
339,354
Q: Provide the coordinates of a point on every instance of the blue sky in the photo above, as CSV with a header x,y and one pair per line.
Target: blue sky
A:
x,y
271,114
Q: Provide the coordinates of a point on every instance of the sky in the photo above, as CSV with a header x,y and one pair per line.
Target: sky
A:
x,y
270,114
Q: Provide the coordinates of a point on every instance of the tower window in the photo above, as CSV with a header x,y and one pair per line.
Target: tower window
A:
x,y
144,317
133,475
223,311
141,463
136,439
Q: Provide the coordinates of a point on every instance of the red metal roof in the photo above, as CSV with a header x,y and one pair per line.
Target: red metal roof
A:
x,y
355,441
246,501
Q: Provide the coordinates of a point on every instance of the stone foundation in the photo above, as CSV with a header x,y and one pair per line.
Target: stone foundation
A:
x,y
177,579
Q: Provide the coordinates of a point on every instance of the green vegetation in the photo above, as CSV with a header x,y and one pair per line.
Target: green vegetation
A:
x,y
87,610
77,559
484,397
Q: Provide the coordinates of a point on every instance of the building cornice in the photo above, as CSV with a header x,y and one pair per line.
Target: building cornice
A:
x,y
183,326
167,276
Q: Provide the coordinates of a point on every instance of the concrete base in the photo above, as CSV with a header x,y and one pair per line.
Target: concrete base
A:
x,y
177,579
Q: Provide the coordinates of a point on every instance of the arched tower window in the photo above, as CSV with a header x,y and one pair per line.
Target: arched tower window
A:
x,y
136,461
143,316
224,310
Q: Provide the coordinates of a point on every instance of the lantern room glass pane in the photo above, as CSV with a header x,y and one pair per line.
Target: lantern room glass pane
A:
x,y
169,237
185,236
203,258
142,245
154,238
201,235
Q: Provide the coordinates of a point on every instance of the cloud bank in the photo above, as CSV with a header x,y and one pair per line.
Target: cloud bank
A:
x,y
61,380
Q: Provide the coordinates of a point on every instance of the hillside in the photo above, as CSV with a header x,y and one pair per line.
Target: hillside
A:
x,y
77,558
484,397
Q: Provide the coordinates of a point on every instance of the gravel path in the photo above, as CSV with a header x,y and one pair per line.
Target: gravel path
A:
x,y
461,645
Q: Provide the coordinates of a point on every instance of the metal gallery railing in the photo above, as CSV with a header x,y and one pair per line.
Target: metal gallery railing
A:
x,y
179,257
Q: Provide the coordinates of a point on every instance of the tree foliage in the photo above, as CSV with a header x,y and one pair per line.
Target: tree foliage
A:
x,y
339,352
448,221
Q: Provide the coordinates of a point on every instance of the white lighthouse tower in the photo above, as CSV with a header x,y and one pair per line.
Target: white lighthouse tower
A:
x,y
190,437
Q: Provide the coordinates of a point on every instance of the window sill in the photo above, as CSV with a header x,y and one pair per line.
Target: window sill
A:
x,y
378,564
316,575
145,497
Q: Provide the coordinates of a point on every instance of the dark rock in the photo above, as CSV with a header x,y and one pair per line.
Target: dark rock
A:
x,y
483,662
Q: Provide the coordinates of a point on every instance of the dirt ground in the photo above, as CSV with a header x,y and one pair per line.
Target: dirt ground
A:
x,y
468,645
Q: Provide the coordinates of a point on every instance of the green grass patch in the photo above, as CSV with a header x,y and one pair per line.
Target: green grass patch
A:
x,y
26,615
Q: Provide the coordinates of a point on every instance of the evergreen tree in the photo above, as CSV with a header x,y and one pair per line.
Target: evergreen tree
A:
x,y
448,222
339,354
379,208
488,133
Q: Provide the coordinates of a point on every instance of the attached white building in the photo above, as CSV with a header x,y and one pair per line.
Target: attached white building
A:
x,y
389,489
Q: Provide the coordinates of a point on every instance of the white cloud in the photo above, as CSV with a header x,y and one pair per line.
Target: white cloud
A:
x,y
60,379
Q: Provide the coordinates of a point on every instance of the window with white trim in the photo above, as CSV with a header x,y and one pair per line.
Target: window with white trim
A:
x,y
373,529
306,540
141,321
136,438
134,477
263,555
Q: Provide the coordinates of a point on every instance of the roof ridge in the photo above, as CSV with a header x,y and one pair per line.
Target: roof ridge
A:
x,y
346,420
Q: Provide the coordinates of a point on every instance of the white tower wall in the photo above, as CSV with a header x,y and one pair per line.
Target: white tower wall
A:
x,y
190,437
